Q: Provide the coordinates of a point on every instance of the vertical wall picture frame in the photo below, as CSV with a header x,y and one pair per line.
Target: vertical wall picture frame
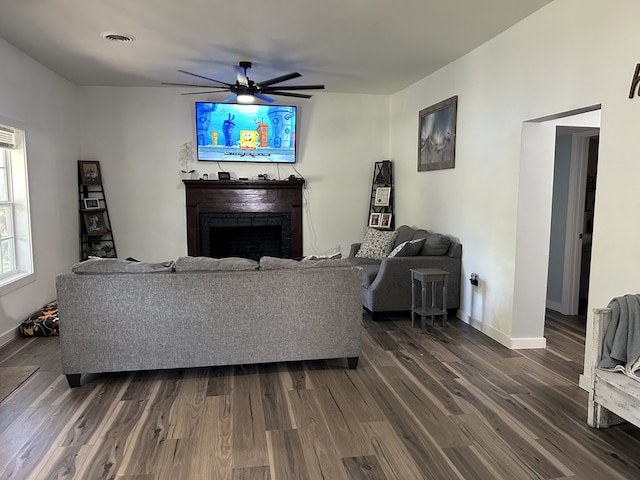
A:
x,y
89,172
437,136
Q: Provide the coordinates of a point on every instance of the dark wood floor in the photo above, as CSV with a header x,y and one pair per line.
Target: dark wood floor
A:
x,y
432,405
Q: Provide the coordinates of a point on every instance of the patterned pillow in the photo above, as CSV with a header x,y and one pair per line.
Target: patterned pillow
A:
x,y
410,248
377,244
41,323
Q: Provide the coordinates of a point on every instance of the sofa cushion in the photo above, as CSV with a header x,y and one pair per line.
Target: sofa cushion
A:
x,y
275,263
202,264
419,233
358,262
436,244
114,265
409,248
405,233
377,243
322,257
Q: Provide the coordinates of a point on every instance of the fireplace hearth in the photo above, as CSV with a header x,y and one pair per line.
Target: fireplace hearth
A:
x,y
248,219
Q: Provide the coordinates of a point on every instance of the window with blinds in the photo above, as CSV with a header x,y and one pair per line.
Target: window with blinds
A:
x,y
15,227
7,238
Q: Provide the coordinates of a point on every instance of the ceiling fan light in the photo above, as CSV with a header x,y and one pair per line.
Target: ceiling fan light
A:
x,y
245,98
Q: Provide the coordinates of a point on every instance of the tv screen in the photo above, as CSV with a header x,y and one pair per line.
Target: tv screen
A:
x,y
228,132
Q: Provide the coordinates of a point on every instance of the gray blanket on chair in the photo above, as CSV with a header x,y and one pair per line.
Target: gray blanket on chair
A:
x,y
621,345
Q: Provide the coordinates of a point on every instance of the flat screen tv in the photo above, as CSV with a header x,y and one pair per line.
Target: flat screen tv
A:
x,y
229,132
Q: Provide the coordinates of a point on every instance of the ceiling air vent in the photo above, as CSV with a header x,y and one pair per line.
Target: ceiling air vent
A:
x,y
118,37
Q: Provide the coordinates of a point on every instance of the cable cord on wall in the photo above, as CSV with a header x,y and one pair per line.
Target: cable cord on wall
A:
x,y
307,209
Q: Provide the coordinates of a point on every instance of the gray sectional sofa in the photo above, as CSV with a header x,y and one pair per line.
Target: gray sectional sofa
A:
x,y
130,316
386,281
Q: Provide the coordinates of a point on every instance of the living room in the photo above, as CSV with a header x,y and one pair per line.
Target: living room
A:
x,y
556,62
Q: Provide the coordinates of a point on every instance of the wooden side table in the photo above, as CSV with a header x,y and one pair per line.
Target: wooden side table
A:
x,y
425,276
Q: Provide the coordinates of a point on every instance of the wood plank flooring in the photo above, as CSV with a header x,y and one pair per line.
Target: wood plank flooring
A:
x,y
449,404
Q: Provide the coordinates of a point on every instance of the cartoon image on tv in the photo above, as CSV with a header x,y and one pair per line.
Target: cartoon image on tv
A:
x,y
241,132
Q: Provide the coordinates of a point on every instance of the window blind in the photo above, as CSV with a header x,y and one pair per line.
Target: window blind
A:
x,y
7,138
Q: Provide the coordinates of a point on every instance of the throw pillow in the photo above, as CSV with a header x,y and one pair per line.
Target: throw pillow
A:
x,y
275,263
377,244
203,264
410,248
114,265
436,244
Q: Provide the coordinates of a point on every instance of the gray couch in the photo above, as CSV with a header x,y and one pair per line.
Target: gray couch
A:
x,y
134,318
386,282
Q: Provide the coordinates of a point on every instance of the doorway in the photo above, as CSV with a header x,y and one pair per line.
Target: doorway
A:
x,y
573,200
533,223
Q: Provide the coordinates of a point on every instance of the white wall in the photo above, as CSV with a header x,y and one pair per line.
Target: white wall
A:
x,y
136,134
569,55
44,105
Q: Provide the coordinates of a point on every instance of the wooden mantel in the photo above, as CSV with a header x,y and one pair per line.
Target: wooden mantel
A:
x,y
270,196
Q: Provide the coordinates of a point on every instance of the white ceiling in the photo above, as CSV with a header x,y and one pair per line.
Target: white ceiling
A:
x,y
364,46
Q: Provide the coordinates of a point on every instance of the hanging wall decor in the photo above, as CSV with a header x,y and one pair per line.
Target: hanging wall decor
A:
x,y
437,136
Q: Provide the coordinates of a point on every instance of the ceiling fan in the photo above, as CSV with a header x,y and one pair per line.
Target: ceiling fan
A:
x,y
246,90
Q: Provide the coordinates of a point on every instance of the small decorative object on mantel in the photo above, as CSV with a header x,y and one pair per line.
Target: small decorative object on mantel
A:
x,y
437,136
185,158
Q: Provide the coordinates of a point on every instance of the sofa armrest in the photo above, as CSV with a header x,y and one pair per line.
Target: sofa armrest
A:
x,y
354,249
455,250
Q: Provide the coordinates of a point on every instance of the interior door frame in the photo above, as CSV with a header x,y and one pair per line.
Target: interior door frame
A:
x,y
575,220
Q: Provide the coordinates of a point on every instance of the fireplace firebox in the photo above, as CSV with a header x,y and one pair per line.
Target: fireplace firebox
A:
x,y
248,219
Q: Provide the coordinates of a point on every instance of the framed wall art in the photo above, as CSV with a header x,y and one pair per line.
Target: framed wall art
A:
x,y
382,197
437,136
374,220
385,220
89,173
91,203
94,223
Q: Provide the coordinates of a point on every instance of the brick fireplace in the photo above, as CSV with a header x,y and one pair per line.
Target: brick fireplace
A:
x,y
246,219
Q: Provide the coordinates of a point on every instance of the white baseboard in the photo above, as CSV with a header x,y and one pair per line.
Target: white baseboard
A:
x,y
8,336
509,342
528,343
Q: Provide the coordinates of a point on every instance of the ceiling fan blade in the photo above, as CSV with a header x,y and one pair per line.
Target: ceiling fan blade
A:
x,y
282,78
264,97
287,94
200,93
205,78
293,87
191,85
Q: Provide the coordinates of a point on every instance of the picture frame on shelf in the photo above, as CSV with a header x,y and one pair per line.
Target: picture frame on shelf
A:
x,y
437,135
89,172
382,197
385,220
91,203
374,220
94,223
